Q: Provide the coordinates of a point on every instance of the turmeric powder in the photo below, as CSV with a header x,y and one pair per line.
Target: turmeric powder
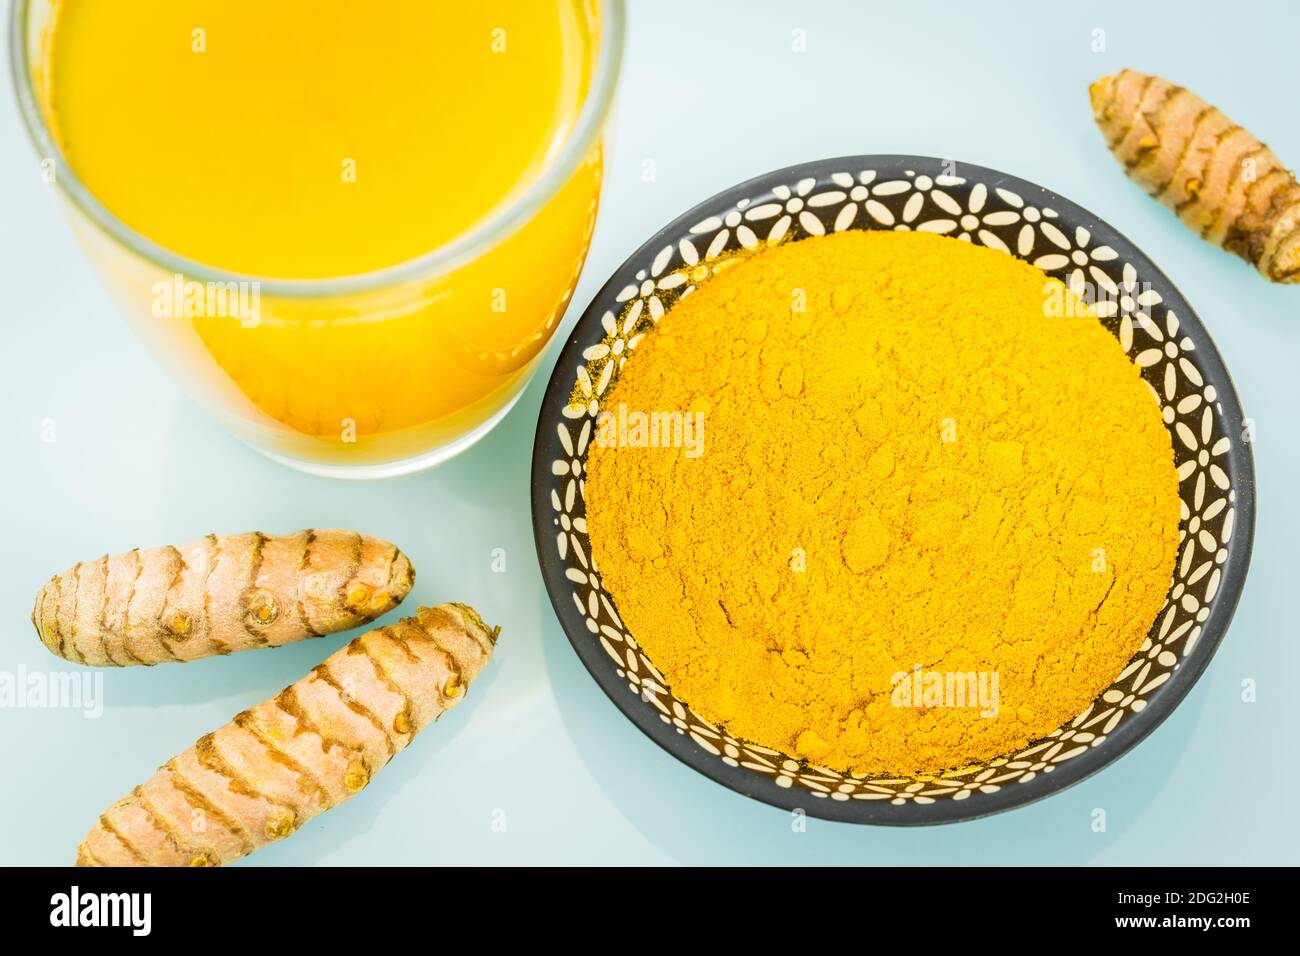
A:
x,y
911,470
1220,180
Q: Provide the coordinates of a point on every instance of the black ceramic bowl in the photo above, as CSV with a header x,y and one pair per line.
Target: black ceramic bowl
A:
x,y
1154,325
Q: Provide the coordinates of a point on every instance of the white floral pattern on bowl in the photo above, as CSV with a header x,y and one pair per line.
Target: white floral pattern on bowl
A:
x,y
1152,323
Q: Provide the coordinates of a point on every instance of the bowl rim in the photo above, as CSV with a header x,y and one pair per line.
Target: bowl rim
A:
x,y
1124,738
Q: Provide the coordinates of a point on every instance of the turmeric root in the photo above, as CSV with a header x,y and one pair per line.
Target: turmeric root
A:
x,y
1219,179
219,595
304,751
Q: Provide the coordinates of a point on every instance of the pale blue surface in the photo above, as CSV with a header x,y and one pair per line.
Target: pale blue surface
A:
x,y
712,94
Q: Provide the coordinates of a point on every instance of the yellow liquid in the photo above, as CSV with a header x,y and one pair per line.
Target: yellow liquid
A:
x,y
308,139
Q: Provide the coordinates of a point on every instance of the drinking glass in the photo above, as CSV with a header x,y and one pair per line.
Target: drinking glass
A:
x,y
368,375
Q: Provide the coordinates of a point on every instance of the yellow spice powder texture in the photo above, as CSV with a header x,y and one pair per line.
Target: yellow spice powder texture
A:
x,y
910,465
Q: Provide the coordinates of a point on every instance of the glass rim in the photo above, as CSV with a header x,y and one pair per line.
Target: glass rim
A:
x,y
499,223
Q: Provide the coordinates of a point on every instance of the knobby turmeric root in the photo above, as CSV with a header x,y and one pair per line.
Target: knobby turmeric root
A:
x,y
219,595
304,751
1218,178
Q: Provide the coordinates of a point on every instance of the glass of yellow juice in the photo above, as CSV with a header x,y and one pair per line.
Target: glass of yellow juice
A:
x,y
348,228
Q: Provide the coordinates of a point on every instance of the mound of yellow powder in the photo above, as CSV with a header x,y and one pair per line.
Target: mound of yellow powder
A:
x,y
909,468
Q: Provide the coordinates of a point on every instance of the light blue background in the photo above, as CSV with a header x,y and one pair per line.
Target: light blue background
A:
x,y
712,94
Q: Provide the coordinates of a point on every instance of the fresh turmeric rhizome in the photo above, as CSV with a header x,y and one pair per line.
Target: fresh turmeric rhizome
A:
x,y
931,523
